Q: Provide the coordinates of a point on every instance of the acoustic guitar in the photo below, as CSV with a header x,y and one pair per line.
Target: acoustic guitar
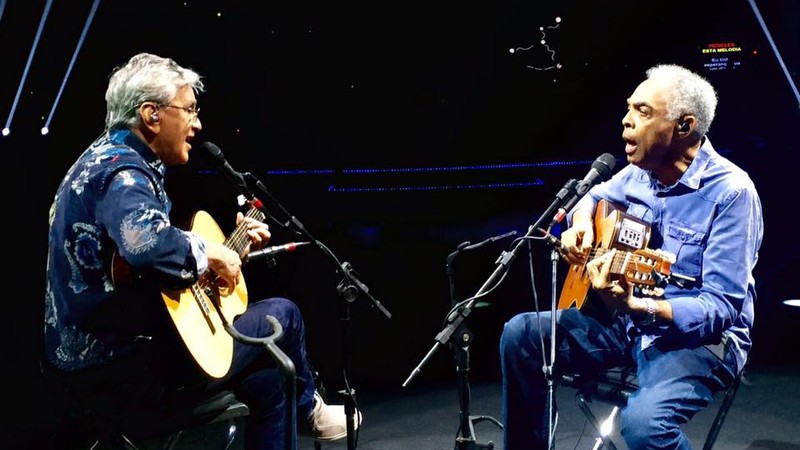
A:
x,y
642,267
200,311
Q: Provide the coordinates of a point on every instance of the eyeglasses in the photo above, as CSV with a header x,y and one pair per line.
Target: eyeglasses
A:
x,y
192,110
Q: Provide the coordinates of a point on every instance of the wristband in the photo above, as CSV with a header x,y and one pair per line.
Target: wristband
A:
x,y
650,315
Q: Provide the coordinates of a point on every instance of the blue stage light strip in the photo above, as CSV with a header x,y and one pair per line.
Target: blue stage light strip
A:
x,y
427,169
420,170
303,172
457,187
463,168
2,8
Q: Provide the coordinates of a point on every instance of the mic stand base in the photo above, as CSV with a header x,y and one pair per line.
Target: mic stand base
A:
x,y
468,442
466,430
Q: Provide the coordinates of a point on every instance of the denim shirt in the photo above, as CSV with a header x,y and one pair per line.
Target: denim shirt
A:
x,y
711,221
111,204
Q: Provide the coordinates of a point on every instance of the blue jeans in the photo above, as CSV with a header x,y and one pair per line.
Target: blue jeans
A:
x,y
255,380
675,383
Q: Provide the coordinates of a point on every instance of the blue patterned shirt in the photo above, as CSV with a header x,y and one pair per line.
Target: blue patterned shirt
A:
x,y
711,220
111,204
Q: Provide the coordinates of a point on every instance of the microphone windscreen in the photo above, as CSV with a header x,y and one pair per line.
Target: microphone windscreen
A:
x,y
604,165
213,154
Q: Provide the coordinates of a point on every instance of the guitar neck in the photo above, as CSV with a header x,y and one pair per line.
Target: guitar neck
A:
x,y
238,240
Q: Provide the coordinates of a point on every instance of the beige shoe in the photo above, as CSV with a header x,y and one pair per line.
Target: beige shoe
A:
x,y
329,422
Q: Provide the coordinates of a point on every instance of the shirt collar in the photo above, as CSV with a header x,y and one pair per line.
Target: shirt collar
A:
x,y
694,173
126,137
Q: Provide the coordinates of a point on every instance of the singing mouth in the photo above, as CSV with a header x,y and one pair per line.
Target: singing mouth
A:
x,y
630,145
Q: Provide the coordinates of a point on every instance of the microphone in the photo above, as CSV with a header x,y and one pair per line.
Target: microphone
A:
x,y
600,171
272,251
553,241
215,157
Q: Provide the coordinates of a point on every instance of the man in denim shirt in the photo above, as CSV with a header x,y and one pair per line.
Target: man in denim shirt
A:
x,y
687,342
118,352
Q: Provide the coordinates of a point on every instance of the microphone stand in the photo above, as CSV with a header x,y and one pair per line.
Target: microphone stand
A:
x,y
548,368
458,316
349,289
459,343
287,367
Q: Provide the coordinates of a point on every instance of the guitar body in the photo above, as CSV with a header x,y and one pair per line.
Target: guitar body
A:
x,y
613,229
197,311
200,312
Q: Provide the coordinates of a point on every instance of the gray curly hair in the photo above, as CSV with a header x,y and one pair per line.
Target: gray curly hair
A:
x,y
145,77
691,94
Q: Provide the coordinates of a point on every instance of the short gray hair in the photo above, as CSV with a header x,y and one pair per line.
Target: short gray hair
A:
x,y
690,94
145,77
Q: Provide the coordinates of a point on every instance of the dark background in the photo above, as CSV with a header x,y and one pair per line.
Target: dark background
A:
x,y
466,140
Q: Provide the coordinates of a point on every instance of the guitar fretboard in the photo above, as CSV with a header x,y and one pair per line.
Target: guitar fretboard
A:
x,y
238,240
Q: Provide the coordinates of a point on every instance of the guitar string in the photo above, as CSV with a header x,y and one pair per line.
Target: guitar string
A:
x,y
238,238
619,261
236,242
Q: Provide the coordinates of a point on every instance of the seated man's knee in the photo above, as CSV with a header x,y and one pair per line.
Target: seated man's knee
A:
x,y
641,423
514,332
280,307
518,334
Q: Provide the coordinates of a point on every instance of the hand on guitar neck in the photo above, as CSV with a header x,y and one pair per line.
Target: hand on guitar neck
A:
x,y
614,290
622,240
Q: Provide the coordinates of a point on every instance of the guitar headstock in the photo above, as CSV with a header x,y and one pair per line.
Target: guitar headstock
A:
x,y
646,269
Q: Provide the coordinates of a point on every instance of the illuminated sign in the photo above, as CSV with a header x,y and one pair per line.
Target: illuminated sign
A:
x,y
722,56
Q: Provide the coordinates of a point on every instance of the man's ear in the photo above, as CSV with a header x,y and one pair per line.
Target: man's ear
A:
x,y
149,113
686,125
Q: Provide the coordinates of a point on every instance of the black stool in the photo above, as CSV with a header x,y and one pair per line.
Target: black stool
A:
x,y
616,386
223,407
85,426
162,428
115,426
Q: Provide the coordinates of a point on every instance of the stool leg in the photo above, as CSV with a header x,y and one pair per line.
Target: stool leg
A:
x,y
722,413
604,439
232,428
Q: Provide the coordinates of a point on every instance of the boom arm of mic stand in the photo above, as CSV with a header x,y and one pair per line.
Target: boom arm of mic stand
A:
x,y
350,275
461,314
505,259
345,268
345,288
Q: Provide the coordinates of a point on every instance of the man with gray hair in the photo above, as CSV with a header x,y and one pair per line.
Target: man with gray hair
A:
x,y
687,341
110,218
